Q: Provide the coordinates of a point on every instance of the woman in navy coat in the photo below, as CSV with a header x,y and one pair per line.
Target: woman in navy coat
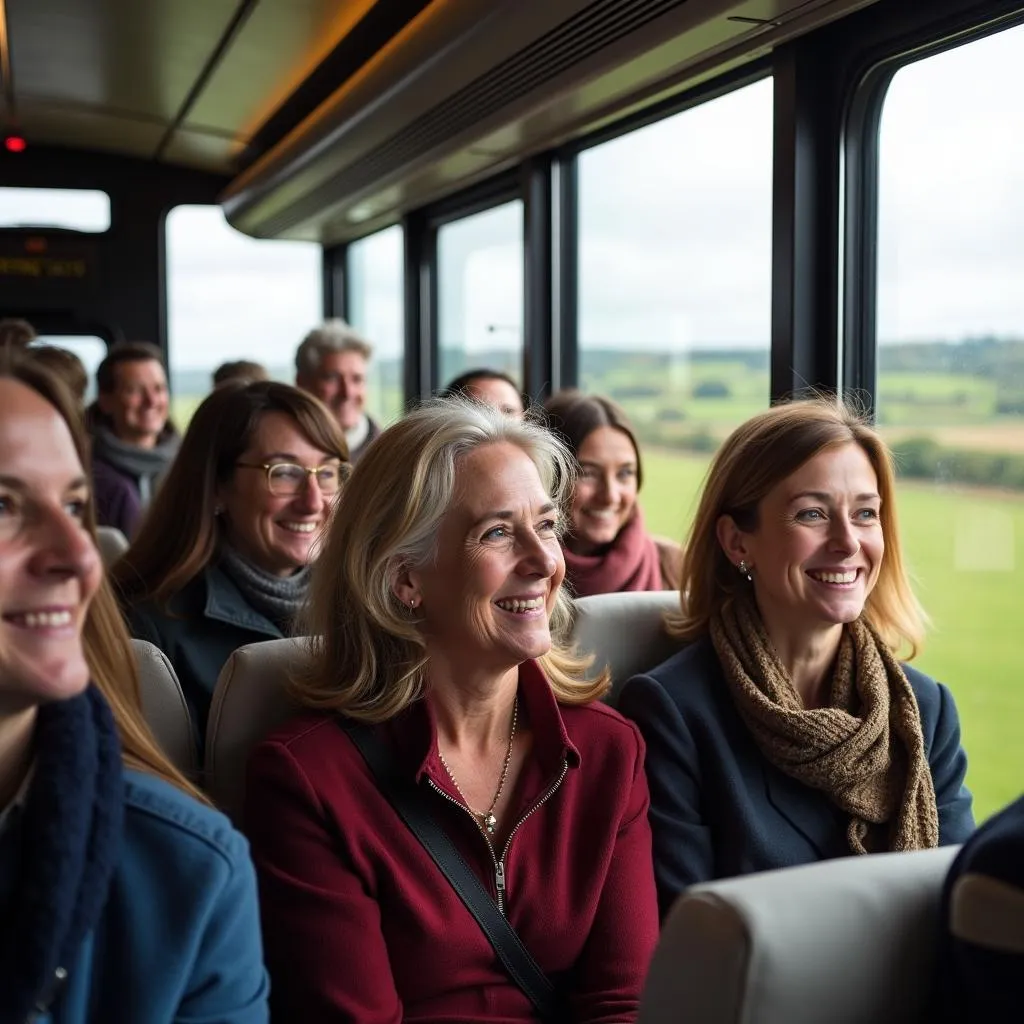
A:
x,y
786,730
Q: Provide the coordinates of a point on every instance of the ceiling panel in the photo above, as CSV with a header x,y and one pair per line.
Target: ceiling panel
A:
x,y
141,56
279,45
88,128
205,150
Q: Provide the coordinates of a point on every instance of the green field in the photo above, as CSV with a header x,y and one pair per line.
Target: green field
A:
x,y
961,550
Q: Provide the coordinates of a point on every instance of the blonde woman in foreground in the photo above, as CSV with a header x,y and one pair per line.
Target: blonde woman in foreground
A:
x,y
438,597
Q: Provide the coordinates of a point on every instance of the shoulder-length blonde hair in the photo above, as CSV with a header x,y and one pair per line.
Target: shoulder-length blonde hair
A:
x,y
368,655
105,641
755,458
180,533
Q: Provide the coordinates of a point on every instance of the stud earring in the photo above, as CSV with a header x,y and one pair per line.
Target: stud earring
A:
x,y
218,510
412,605
745,570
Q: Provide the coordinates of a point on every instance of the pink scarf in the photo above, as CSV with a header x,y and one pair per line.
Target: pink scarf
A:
x,y
631,562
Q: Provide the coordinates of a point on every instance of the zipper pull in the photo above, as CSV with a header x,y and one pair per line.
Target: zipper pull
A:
x,y
499,876
47,999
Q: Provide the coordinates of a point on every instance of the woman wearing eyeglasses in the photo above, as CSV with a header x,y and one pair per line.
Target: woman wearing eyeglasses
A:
x,y
221,559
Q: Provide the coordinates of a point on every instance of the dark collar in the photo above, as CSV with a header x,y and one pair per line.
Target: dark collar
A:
x,y
70,840
225,603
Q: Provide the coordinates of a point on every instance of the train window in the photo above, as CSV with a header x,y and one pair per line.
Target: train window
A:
x,y
90,349
675,249
480,292
951,376
375,307
230,296
72,208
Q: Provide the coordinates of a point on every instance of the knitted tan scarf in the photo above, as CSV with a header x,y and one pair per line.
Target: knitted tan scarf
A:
x,y
865,750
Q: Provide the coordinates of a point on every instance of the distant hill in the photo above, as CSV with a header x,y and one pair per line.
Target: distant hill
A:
x,y
1000,359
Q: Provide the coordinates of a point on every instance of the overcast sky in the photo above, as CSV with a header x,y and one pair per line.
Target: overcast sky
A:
x,y
675,235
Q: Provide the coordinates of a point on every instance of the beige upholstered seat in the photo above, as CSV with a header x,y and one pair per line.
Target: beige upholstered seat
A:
x,y
625,632
164,707
249,701
846,941
112,544
250,698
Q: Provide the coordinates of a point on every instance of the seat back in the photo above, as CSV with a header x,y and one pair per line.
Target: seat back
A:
x,y
250,698
164,707
112,544
249,701
625,632
850,941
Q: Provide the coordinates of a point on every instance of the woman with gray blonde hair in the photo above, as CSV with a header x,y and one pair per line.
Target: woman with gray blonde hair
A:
x,y
452,740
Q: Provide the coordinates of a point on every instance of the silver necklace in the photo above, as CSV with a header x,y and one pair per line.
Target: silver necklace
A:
x,y
488,818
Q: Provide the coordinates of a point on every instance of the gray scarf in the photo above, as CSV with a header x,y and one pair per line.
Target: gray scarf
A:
x,y
144,465
279,598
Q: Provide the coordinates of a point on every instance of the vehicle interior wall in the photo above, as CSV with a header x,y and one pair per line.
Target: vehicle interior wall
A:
x,y
121,294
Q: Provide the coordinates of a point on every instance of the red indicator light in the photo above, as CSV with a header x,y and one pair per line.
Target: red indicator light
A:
x,y
14,144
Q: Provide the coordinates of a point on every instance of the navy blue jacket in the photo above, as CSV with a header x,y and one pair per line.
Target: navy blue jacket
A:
x,y
203,626
973,982
178,941
720,808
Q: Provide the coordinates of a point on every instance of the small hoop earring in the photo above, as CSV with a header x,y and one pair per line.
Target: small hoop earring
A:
x,y
745,570
218,510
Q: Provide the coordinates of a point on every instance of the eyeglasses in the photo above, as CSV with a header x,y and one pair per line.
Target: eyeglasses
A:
x,y
286,479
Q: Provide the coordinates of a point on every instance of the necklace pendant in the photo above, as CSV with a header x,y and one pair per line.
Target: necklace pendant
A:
x,y
490,822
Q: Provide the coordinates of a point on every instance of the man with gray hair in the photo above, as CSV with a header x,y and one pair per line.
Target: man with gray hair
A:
x,y
331,364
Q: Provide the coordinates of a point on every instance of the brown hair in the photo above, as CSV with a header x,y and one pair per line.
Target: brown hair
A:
x,y
64,364
239,369
179,534
105,640
125,352
755,458
369,656
16,333
574,416
462,386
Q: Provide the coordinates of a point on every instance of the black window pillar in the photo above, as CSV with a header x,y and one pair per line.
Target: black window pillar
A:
x,y
335,281
420,305
538,277
805,218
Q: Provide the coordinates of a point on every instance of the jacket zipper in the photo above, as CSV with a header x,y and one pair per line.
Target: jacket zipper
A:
x,y
49,996
499,863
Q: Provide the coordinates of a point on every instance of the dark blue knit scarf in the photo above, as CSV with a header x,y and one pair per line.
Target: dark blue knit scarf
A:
x,y
71,838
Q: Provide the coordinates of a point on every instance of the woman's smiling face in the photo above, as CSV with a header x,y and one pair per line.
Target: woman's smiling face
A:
x,y
606,491
817,549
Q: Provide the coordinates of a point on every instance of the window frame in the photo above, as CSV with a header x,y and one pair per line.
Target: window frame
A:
x,y
884,51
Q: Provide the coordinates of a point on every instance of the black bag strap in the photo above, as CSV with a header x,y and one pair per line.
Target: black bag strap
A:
x,y
403,796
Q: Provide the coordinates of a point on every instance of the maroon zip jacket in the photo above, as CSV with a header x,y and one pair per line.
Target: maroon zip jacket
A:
x,y
360,925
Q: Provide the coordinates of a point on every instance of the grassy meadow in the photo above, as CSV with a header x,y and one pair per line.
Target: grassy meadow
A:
x,y
961,549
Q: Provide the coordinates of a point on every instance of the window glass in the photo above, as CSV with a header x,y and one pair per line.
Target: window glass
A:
x,y
90,349
480,293
231,297
675,236
951,376
375,309
76,209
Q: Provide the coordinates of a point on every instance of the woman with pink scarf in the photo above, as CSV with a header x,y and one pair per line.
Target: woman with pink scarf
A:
x,y
607,549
